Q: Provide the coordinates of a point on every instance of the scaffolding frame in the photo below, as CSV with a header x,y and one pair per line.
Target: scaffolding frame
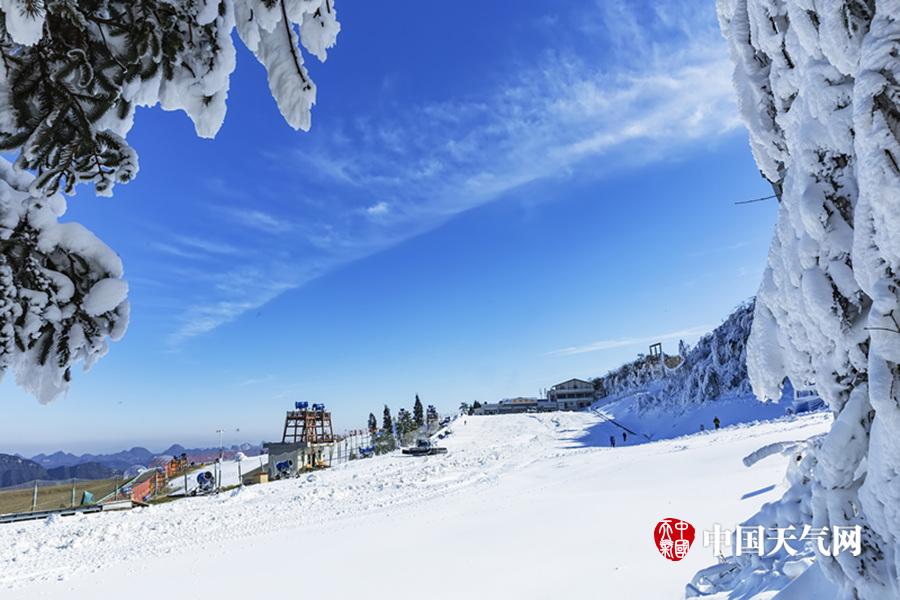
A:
x,y
308,426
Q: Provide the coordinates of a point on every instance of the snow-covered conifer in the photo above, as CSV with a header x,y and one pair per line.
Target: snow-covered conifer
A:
x,y
418,412
818,84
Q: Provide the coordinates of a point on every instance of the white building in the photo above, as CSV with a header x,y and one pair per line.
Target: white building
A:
x,y
515,405
574,394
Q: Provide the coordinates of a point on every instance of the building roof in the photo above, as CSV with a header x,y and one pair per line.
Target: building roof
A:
x,y
571,380
518,400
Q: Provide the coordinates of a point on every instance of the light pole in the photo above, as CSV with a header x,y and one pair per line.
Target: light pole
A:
x,y
221,445
221,433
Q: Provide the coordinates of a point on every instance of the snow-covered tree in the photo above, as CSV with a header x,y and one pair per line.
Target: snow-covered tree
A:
x,y
384,440
387,421
72,74
714,367
406,427
373,423
432,417
818,83
418,412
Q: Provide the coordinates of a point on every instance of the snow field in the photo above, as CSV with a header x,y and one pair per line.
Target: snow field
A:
x,y
518,508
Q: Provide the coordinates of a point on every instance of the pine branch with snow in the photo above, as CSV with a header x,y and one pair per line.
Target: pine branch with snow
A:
x,y
61,290
72,74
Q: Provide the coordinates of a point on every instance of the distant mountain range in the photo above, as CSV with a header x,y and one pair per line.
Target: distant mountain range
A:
x,y
17,469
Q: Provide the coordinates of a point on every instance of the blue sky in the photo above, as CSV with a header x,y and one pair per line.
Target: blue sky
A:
x,y
488,202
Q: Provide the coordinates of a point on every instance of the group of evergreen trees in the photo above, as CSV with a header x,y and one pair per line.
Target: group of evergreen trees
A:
x,y
405,428
469,409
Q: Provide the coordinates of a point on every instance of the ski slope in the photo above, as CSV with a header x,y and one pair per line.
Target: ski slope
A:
x,y
230,473
652,421
522,506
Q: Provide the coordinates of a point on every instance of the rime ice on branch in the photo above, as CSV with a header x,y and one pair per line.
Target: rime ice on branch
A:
x,y
71,76
818,83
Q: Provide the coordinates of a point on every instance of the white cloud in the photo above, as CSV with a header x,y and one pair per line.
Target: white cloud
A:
x,y
565,114
379,209
193,248
259,220
657,79
688,334
208,246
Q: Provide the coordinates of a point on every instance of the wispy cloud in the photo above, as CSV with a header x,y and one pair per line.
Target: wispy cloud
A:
x,y
257,380
648,81
566,114
690,333
237,291
193,248
205,245
260,220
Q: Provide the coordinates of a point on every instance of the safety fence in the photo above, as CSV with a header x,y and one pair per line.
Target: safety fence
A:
x,y
38,496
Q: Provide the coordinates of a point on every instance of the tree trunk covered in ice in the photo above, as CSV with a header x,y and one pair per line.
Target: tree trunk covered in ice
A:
x,y
72,73
819,89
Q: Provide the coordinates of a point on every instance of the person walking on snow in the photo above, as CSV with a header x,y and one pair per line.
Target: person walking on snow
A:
x,y
716,422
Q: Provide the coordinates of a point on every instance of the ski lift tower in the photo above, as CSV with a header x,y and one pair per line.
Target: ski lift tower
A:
x,y
308,425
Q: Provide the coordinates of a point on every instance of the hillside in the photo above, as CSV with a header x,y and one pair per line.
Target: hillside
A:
x,y
90,470
715,367
513,492
650,399
15,470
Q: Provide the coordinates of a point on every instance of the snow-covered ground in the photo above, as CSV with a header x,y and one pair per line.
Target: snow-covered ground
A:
x,y
654,422
522,506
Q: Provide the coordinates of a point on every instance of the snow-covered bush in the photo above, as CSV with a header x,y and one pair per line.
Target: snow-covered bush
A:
x,y
818,83
72,74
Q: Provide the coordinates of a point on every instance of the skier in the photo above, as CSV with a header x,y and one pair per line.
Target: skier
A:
x,y
716,422
612,441
624,437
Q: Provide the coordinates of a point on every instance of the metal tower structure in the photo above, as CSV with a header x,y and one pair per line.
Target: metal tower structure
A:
x,y
308,425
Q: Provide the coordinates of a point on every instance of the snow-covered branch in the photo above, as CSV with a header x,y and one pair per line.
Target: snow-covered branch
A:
x,y
818,83
72,74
